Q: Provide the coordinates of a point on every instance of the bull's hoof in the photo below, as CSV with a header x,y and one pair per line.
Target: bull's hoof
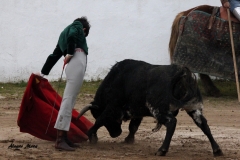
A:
x,y
93,139
161,153
217,153
129,140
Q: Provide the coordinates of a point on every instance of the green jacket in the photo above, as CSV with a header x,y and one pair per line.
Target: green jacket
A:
x,y
73,37
70,38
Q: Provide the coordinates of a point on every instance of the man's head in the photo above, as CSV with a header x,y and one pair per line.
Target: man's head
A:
x,y
85,23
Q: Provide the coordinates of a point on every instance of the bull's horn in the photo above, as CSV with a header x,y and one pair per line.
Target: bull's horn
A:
x,y
85,109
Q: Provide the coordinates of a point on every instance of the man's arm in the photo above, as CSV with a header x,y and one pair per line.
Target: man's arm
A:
x,y
51,60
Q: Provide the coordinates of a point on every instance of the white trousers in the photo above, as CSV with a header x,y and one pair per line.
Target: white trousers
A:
x,y
75,71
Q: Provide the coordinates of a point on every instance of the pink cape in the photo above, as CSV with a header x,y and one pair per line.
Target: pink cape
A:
x,y
36,109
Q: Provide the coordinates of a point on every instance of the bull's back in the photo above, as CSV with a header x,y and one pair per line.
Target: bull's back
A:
x,y
130,77
135,72
136,77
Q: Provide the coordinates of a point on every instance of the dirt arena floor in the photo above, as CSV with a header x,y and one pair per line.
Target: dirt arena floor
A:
x,y
188,142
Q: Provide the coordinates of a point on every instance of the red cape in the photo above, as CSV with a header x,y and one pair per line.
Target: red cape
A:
x,y
36,110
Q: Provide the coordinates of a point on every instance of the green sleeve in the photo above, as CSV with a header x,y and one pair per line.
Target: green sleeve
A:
x,y
51,60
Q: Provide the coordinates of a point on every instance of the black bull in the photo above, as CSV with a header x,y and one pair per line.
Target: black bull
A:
x,y
134,89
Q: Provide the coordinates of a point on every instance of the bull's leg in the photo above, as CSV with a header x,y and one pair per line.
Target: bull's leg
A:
x,y
201,122
170,124
208,86
92,132
133,127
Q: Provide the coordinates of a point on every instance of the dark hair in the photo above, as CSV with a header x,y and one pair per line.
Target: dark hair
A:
x,y
85,24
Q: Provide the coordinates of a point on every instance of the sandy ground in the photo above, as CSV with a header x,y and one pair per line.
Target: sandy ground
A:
x,y
188,142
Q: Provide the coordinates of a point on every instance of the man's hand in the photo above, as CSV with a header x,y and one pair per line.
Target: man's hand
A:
x,y
39,74
67,58
226,5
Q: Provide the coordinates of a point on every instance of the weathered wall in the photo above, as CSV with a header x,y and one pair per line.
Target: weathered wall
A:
x,y
137,29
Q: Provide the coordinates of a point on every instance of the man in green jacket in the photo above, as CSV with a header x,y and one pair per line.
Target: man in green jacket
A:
x,y
72,45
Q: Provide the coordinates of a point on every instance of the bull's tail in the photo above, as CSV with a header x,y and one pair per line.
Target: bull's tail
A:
x,y
184,85
190,81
